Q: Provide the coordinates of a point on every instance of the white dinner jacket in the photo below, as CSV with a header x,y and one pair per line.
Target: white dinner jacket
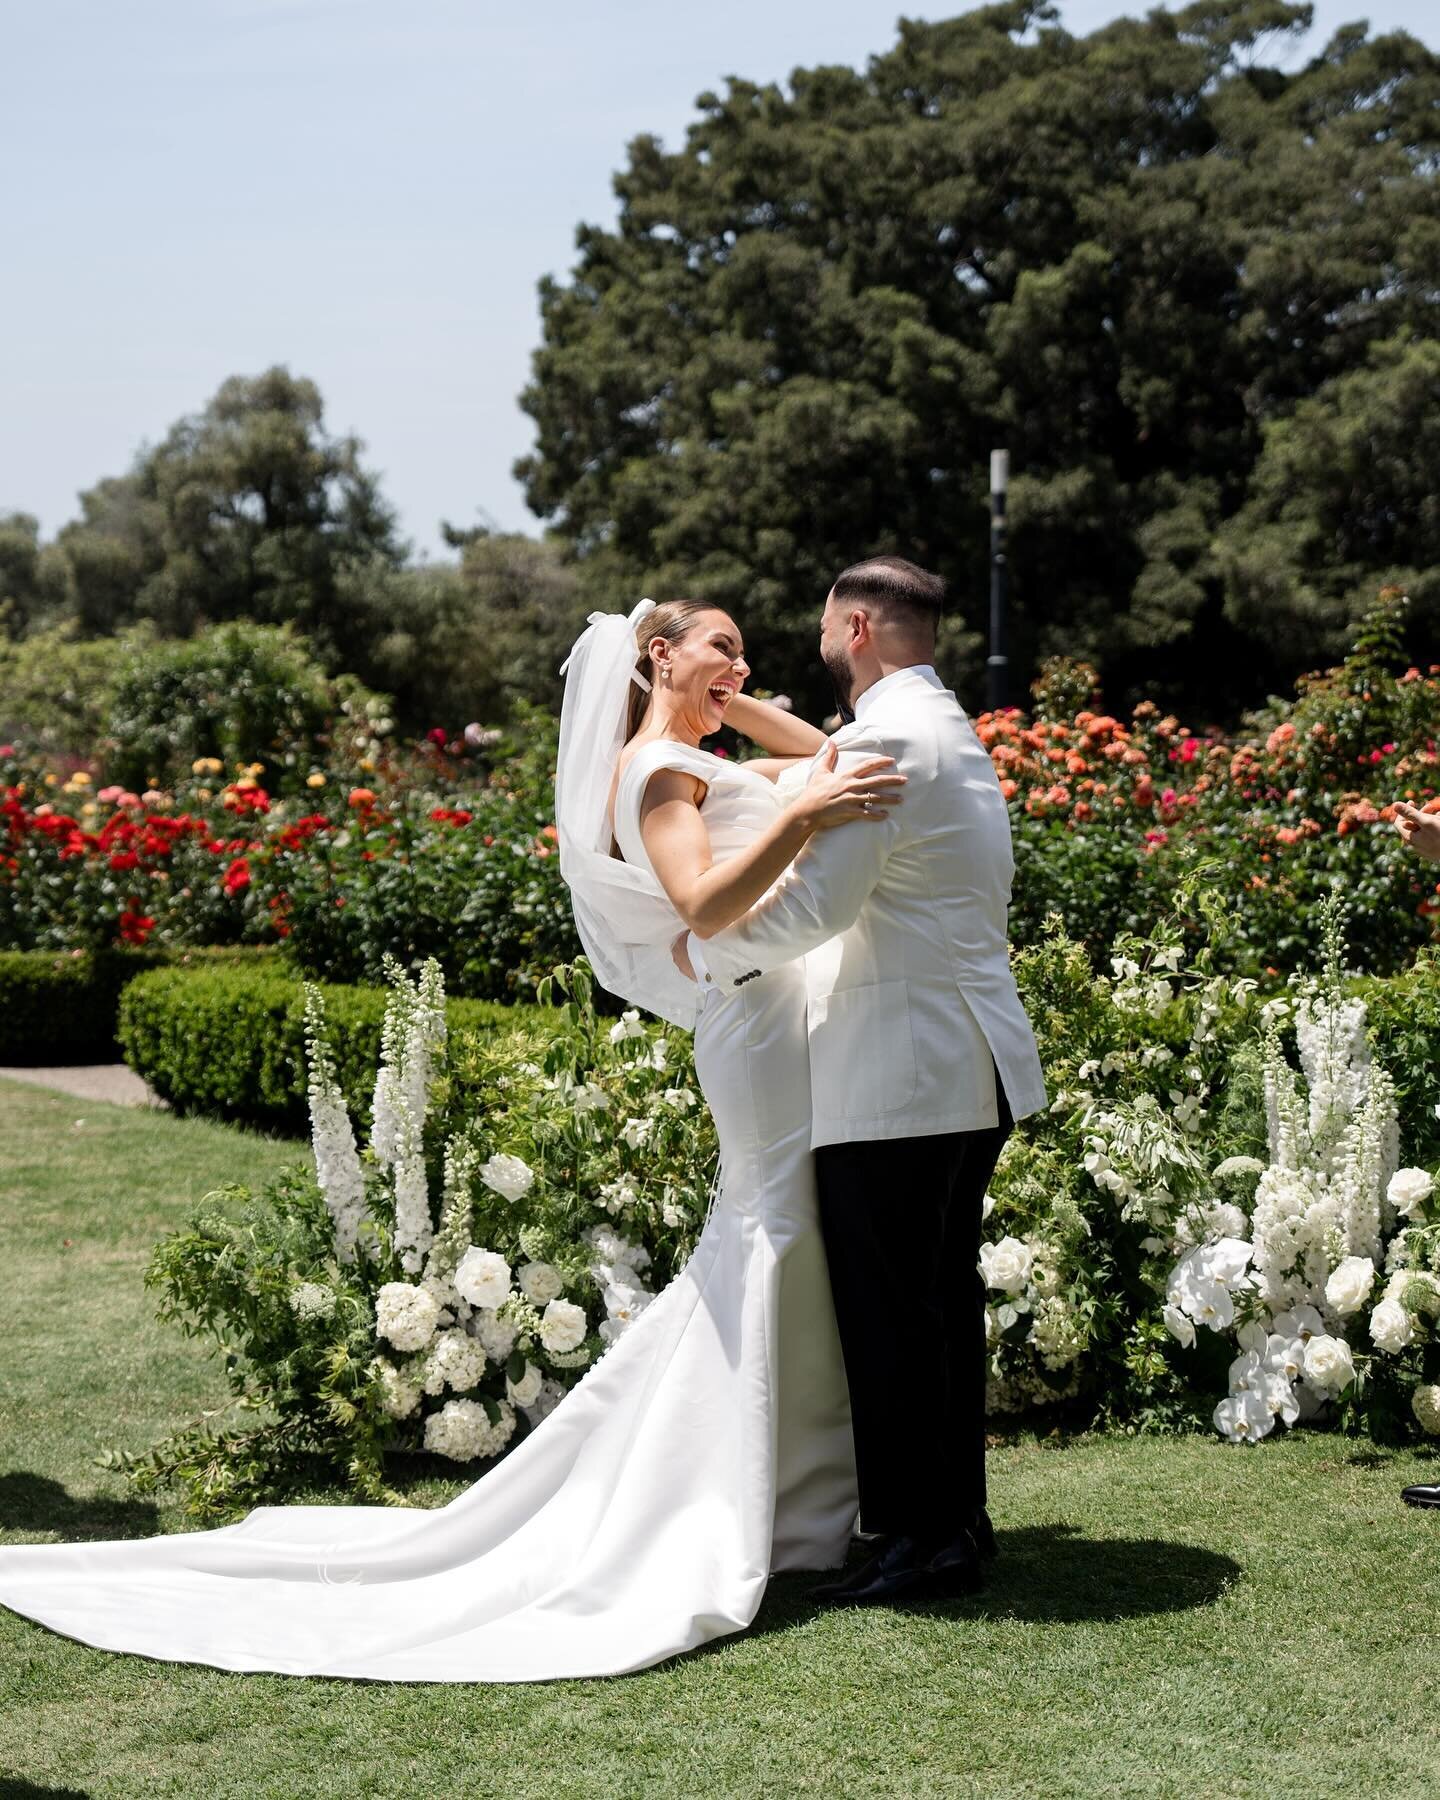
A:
x,y
902,925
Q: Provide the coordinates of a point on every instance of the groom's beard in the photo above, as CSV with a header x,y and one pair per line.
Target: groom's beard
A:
x,y
842,677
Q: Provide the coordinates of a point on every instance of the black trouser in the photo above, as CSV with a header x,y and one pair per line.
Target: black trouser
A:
x,y
901,1220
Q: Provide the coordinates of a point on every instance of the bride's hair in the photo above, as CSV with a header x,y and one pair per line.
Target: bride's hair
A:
x,y
671,620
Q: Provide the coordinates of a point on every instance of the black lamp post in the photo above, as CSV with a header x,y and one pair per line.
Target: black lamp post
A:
x,y
998,664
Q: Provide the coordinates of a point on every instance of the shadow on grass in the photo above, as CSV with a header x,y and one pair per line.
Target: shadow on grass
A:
x,y
30,1502
1051,1575
12,1788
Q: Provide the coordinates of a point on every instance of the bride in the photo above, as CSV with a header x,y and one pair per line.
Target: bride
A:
x,y
711,1445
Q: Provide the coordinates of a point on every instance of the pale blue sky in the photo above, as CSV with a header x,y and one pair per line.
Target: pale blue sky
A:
x,y
365,190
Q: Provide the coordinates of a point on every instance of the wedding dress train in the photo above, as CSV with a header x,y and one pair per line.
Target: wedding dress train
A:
x,y
708,1447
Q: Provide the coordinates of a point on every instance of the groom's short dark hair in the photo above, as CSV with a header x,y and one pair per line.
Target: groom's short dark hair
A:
x,y
893,585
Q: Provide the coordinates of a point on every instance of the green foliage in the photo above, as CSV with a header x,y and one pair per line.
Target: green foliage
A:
x,y
1157,268
56,688
230,1041
241,693
262,1277
247,510
59,1007
1404,1018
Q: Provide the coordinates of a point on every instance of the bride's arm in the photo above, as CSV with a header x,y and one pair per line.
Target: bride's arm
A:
x,y
781,733
709,896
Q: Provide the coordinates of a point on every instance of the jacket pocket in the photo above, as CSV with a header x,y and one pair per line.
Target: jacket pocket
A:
x,y
862,1051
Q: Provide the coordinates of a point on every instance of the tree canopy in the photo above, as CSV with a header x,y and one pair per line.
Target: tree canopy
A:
x,y
250,509
1190,292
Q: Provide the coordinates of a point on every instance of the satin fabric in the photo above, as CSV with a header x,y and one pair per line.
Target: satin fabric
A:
x,y
708,1447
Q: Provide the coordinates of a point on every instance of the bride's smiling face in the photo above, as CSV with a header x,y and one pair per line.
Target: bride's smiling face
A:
x,y
704,672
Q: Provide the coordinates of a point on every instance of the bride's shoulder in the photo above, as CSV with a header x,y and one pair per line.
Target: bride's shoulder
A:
x,y
649,759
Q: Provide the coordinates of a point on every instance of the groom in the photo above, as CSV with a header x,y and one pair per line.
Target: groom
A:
x,y
921,1056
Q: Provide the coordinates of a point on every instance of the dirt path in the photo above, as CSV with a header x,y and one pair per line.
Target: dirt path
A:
x,y
89,1081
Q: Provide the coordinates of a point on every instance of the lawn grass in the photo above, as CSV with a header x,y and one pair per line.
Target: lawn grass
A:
x,y
1167,1617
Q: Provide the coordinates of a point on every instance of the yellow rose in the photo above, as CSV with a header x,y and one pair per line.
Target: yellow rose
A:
x,y
314,781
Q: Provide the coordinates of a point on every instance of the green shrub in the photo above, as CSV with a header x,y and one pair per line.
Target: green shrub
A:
x,y
61,1006
242,693
231,1041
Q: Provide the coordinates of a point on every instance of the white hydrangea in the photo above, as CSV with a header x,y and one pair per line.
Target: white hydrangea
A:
x,y
540,1282
482,1277
1425,1404
456,1360
406,1315
494,1333
462,1430
399,1395
508,1176
562,1327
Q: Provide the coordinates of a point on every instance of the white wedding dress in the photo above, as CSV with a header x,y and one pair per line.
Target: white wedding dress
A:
x,y
708,1447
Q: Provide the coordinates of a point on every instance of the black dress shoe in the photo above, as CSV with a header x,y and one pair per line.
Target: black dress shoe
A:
x,y
955,1567
899,1569
983,1533
1422,1494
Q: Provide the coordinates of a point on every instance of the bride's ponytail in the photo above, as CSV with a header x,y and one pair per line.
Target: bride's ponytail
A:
x,y
671,620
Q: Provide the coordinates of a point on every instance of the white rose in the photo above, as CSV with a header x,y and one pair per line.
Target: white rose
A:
x,y
1408,1191
1179,1325
508,1177
406,1315
1328,1363
483,1277
540,1281
1391,1327
1349,1285
562,1326
526,1391
1006,1265
1425,1404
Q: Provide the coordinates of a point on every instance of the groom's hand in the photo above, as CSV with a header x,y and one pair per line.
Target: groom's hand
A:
x,y
680,956
1420,830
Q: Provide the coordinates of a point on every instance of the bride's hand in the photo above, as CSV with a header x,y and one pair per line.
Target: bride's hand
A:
x,y
865,792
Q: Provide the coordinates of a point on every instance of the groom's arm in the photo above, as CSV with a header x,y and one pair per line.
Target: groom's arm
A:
x,y
819,896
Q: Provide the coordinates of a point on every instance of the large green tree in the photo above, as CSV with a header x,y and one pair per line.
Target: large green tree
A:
x,y
249,509
1128,257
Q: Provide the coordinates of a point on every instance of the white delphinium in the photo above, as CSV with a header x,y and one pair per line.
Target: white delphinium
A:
x,y
399,1394
482,1278
463,1430
332,1139
309,1300
562,1327
455,1360
412,1040
540,1282
453,1237
508,1176
406,1315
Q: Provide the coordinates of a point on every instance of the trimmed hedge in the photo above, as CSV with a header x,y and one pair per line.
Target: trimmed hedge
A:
x,y
230,1042
61,1006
